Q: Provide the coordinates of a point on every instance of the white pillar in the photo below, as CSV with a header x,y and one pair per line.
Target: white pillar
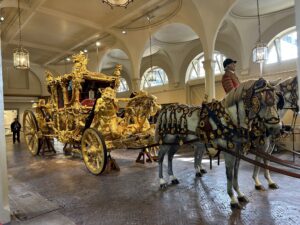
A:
x,y
136,84
4,205
297,18
209,78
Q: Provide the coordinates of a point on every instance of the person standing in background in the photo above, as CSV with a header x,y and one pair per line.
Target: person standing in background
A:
x,y
229,79
15,129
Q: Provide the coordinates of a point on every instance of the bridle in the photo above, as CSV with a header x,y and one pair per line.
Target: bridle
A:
x,y
292,99
253,102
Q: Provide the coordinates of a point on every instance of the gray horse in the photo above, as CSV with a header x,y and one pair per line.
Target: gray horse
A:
x,y
289,89
223,125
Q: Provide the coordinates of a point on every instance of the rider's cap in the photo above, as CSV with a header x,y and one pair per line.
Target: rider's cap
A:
x,y
227,62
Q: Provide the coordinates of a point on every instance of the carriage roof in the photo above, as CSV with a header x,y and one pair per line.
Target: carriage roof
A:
x,y
81,74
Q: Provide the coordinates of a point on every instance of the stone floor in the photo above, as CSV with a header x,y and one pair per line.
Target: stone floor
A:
x,y
59,190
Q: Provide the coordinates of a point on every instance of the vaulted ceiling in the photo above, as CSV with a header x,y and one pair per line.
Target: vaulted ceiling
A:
x,y
55,29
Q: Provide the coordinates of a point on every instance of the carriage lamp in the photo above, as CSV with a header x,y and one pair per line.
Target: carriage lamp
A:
x,y
260,51
20,55
118,3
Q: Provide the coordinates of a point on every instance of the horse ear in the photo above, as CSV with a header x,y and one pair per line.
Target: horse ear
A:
x,y
275,82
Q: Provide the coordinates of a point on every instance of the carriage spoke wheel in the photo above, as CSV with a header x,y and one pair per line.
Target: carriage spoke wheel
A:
x,y
31,132
94,151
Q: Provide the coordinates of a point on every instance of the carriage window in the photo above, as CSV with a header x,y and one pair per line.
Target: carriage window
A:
x,y
123,85
156,77
283,47
196,69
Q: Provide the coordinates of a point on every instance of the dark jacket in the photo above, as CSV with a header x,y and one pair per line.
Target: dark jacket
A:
x,y
15,126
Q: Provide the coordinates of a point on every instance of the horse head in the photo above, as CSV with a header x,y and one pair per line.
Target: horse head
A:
x,y
289,91
261,103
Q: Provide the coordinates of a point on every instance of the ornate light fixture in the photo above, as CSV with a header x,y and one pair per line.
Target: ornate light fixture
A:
x,y
151,74
21,55
118,3
260,51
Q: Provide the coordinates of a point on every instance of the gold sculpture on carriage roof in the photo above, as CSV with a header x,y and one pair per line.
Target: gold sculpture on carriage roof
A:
x,y
91,124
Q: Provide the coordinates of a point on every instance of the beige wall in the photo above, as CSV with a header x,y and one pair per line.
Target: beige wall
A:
x,y
20,104
165,96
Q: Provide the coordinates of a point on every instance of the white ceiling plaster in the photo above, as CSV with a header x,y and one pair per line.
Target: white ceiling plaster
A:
x,y
245,8
174,33
154,49
117,54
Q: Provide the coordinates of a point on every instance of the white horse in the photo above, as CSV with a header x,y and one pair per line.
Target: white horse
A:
x,y
223,125
289,90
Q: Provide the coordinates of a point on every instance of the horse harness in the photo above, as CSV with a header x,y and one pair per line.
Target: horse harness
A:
x,y
175,123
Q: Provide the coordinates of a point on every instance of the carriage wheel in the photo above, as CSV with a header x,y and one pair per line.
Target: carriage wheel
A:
x,y
31,129
94,151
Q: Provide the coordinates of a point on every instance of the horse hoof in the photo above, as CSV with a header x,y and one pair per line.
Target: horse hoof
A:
x,y
273,186
260,187
198,174
203,171
164,186
243,199
235,206
175,181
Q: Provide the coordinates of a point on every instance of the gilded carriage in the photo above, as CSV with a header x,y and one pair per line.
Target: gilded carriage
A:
x,y
82,112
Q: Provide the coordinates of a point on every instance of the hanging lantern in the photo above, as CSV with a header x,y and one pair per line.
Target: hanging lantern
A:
x,y
20,55
118,3
21,58
151,75
260,53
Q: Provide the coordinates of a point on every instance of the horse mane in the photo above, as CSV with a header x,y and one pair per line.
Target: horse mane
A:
x,y
235,95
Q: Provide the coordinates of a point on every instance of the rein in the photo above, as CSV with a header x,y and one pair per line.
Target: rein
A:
x,y
272,168
275,159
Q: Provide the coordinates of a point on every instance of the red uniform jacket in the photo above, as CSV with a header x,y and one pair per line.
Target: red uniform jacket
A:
x,y
230,81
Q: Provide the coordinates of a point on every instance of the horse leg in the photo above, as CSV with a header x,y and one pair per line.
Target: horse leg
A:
x,y
229,164
198,151
171,154
258,185
267,175
241,196
163,149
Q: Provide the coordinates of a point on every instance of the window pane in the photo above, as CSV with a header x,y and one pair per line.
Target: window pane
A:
x,y
289,46
156,77
272,57
123,86
196,68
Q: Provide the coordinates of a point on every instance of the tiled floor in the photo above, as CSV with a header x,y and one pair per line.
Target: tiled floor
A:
x,y
62,191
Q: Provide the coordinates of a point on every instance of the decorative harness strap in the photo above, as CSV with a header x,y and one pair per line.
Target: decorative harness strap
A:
x,y
170,124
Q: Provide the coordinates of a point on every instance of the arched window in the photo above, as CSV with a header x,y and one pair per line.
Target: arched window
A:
x,y
123,85
157,77
283,46
196,69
